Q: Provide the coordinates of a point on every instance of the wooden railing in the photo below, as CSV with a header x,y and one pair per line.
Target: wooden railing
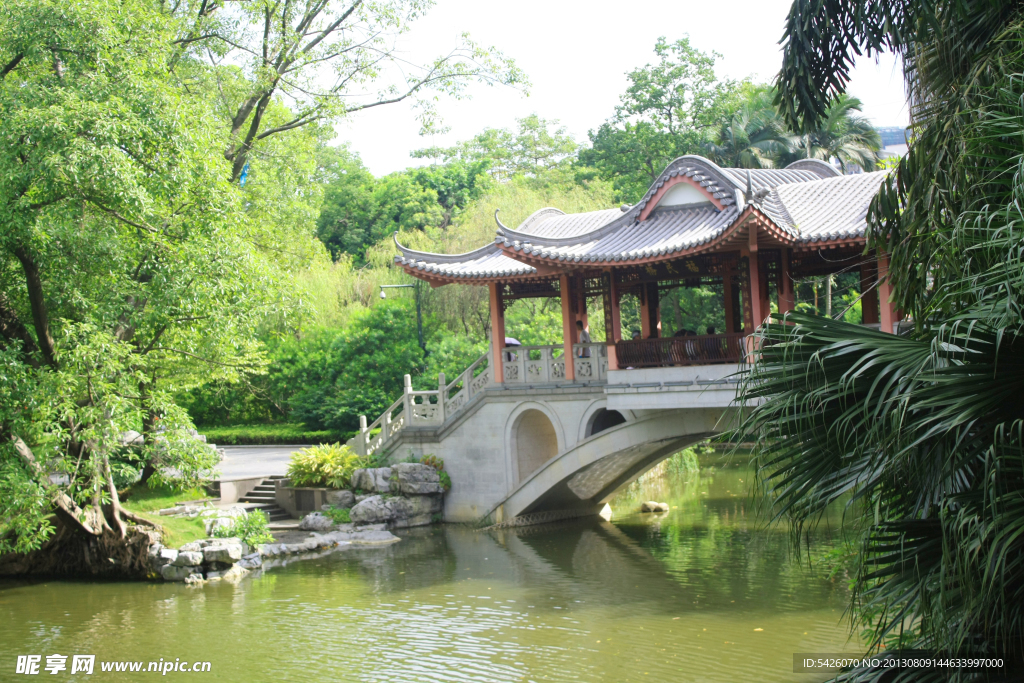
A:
x,y
674,351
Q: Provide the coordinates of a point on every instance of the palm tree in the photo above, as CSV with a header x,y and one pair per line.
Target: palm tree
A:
x,y
753,138
841,134
922,435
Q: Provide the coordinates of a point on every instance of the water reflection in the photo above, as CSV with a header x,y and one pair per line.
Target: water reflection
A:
x,y
671,597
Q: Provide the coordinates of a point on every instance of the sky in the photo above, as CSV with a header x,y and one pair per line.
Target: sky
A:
x,y
576,54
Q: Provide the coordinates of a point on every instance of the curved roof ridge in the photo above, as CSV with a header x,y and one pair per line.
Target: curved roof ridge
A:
x,y
596,233
532,218
822,168
443,258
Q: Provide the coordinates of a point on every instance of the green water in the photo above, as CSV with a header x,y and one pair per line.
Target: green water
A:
x,y
702,593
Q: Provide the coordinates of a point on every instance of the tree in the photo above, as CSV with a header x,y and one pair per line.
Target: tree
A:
x,y
922,432
669,109
126,271
753,138
326,59
530,150
841,135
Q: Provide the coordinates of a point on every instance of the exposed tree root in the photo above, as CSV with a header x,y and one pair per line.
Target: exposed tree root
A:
x,y
71,552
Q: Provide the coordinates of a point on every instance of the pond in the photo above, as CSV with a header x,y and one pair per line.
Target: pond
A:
x,y
701,593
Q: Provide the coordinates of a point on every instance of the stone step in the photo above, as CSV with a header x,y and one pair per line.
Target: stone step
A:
x,y
267,495
265,488
273,512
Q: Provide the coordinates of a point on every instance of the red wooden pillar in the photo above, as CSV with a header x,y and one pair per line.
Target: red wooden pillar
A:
x,y
869,298
568,325
497,333
756,295
787,297
889,316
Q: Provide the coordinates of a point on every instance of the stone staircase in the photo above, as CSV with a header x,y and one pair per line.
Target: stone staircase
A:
x,y
262,498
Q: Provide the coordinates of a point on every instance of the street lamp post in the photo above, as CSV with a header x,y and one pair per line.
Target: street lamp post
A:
x,y
419,312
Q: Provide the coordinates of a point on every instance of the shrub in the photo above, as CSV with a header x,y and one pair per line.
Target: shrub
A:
x,y
286,433
438,464
253,529
330,465
434,461
338,515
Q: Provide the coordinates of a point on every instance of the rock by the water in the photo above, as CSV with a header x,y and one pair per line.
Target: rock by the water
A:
x,y
316,521
229,553
373,510
166,556
372,479
341,499
653,506
417,479
188,558
253,561
171,572
400,512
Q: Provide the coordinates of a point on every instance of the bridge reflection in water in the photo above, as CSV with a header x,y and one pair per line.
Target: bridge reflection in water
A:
x,y
702,593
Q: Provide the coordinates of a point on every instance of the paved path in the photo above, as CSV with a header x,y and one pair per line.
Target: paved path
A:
x,y
241,462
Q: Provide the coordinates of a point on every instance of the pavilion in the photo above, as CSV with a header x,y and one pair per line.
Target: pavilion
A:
x,y
753,232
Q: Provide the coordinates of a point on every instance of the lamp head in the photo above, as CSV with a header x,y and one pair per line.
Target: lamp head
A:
x,y
383,294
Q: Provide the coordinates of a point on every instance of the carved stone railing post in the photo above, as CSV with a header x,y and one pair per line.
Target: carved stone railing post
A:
x,y
442,394
407,405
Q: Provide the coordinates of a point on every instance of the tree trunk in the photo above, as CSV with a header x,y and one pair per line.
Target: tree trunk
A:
x,y
71,552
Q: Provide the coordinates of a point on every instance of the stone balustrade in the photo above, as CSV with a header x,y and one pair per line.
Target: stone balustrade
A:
x,y
523,366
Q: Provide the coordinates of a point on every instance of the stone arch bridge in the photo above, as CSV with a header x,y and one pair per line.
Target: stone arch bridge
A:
x,y
547,445
561,428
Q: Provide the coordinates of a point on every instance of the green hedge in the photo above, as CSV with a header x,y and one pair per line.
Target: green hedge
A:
x,y
272,434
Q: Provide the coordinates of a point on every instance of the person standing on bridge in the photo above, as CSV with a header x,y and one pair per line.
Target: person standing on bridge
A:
x,y
584,338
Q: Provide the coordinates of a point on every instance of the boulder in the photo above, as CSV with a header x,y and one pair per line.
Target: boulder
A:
x,y
188,558
171,572
193,547
413,478
652,506
235,574
341,499
253,561
373,510
316,521
372,479
166,556
228,553
418,505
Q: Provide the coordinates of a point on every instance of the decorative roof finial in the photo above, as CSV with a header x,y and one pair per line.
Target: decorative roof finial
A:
x,y
501,226
750,190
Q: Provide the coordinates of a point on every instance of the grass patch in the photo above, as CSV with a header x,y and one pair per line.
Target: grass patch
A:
x,y
270,434
145,501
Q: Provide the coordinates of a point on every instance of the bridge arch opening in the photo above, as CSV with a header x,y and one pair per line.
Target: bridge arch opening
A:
x,y
604,419
535,441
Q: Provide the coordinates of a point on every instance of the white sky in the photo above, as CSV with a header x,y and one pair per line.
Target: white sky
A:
x,y
576,54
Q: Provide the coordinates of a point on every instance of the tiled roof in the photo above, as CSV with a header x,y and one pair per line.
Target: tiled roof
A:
x,y
809,201
666,231
830,209
554,223
486,262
